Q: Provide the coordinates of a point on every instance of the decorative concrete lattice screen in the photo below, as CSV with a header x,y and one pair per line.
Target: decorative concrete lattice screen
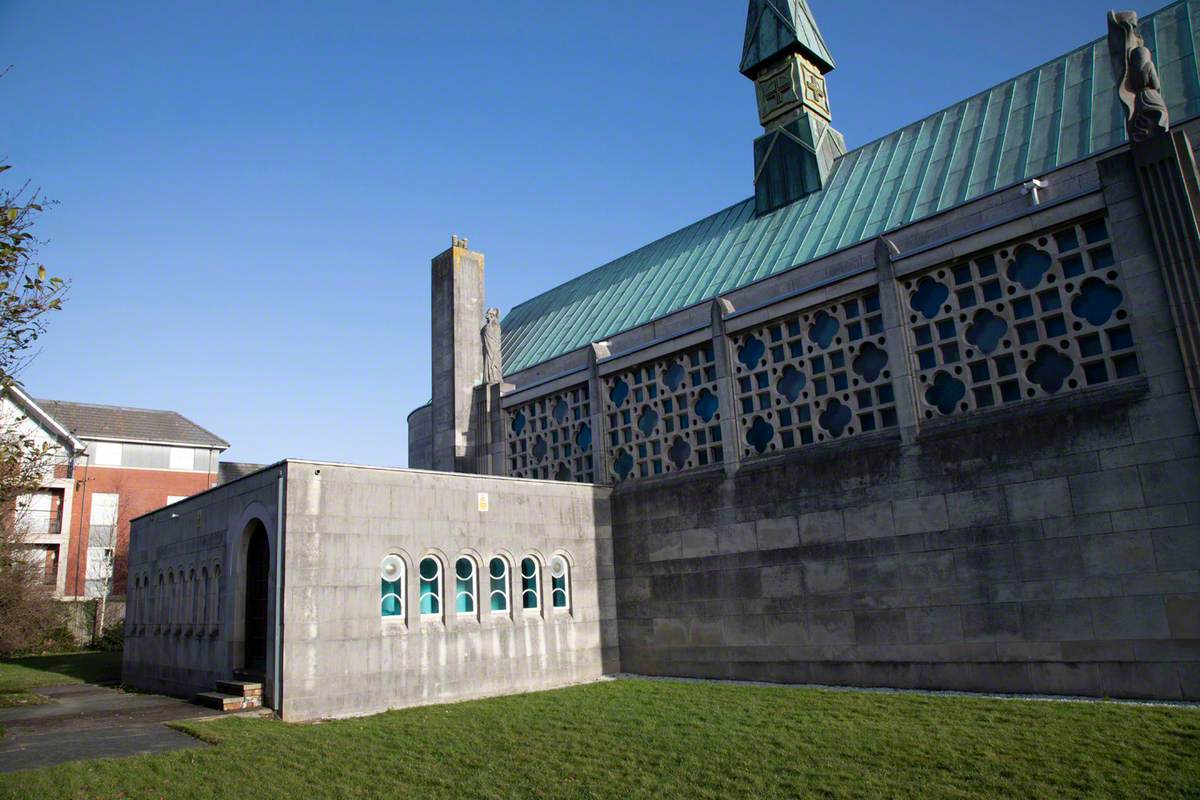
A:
x,y
664,416
1031,319
814,376
551,437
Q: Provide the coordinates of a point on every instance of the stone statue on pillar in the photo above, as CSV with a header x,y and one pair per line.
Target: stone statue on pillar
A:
x,y
1138,84
492,372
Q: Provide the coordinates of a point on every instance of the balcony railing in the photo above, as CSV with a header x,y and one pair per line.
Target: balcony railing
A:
x,y
40,523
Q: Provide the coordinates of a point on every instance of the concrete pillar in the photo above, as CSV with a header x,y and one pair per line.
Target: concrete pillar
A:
x,y
598,422
485,449
900,359
1169,185
731,435
457,355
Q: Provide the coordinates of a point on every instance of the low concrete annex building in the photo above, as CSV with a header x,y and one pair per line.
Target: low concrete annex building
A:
x,y
919,414
399,587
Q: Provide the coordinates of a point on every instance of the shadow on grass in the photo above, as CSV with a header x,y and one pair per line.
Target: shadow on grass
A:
x,y
33,671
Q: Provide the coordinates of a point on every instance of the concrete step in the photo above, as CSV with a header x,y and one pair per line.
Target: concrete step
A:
x,y
227,702
240,688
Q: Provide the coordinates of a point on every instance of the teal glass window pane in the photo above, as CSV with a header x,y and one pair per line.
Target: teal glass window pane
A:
x,y
464,586
498,573
560,596
431,586
529,583
391,598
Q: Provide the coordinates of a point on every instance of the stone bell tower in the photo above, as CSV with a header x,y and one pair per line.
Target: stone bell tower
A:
x,y
786,57
457,313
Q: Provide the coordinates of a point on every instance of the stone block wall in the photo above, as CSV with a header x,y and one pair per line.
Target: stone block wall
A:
x,y
1057,550
343,656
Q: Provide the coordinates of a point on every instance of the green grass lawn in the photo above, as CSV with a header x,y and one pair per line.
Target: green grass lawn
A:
x,y
20,674
666,739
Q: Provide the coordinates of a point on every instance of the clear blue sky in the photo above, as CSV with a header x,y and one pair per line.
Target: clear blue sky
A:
x,y
249,193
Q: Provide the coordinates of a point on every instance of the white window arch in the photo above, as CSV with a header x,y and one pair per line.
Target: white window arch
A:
x,y
498,592
391,586
431,586
560,583
466,586
531,584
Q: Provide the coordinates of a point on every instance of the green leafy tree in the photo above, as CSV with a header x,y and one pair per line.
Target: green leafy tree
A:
x,y
29,617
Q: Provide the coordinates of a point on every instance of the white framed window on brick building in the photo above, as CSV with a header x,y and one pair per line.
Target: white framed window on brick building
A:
x,y
182,458
102,542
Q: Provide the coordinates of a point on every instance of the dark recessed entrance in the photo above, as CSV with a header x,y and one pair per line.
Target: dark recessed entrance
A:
x,y
258,579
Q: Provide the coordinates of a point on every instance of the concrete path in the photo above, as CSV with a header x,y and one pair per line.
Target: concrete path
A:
x,y
87,721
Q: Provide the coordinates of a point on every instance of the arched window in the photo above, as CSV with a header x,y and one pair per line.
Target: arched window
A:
x,y
172,602
498,573
131,605
465,585
202,617
143,596
215,606
159,602
560,583
190,602
531,588
431,586
391,586
133,608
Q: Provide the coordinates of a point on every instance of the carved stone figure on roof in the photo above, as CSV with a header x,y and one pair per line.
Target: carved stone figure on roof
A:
x,y
1138,84
492,372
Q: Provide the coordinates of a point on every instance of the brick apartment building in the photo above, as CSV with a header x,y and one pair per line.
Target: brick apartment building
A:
x,y
110,465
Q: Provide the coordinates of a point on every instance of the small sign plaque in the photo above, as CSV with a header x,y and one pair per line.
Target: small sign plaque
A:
x,y
483,501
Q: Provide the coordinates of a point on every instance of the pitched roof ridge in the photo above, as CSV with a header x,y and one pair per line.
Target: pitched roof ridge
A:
x,y
200,427
110,406
176,415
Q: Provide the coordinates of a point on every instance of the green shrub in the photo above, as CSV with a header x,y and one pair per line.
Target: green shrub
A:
x,y
113,637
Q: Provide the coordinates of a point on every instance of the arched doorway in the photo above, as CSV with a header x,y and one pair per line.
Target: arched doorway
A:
x,y
258,581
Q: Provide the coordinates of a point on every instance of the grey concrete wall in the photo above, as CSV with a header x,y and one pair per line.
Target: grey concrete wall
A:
x,y
1055,551
420,438
182,648
341,657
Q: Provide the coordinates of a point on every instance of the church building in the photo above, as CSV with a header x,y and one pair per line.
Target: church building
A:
x,y
919,414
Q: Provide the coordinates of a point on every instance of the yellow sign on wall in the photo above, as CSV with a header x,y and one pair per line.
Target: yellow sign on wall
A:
x,y
483,501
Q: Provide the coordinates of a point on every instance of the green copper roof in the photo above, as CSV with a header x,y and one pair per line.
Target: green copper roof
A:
x,y
1058,113
775,26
